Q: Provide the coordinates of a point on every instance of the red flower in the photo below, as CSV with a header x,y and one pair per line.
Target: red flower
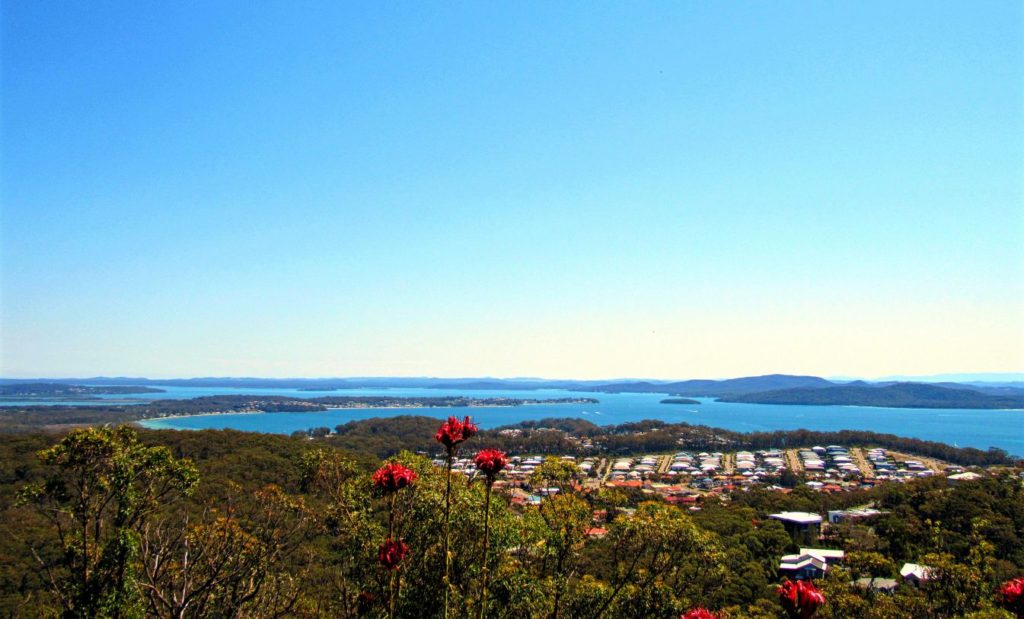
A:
x,y
1012,596
490,462
393,476
453,432
800,599
391,553
698,613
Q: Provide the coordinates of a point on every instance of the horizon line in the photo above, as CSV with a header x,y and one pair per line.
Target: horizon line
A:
x,y
977,376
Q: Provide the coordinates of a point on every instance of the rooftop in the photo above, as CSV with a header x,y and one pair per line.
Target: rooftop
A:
x,y
797,517
824,553
915,571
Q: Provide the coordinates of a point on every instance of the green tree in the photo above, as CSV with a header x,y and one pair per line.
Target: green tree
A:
x,y
609,499
563,520
865,564
229,562
102,486
659,555
555,473
341,577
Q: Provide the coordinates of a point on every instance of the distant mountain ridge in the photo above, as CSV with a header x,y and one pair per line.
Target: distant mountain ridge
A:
x,y
717,388
899,395
1012,389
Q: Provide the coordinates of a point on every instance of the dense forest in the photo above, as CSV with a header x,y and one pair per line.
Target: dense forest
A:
x,y
118,522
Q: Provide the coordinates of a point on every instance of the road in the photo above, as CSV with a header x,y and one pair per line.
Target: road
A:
x,y
935,465
793,461
866,470
663,463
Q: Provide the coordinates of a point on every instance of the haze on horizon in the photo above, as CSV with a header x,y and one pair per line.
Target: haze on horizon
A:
x,y
672,191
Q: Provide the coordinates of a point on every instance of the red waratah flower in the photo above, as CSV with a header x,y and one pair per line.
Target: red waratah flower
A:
x,y
393,476
490,462
453,432
1012,596
800,599
698,613
391,553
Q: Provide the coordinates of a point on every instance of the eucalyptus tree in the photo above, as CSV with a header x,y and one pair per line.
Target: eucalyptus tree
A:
x,y
101,487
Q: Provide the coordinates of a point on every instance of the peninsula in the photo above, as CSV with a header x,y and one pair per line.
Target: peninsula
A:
x,y
62,390
28,417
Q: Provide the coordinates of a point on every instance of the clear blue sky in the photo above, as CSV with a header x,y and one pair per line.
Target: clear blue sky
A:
x,y
556,189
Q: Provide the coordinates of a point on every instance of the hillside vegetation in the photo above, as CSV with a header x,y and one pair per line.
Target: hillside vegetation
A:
x,y
99,523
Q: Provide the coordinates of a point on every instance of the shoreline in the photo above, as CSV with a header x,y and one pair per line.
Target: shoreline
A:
x,y
157,423
341,408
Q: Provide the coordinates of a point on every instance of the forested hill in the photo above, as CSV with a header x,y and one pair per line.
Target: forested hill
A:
x,y
716,388
900,395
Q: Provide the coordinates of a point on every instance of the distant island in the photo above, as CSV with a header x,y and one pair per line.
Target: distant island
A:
x,y
716,388
679,401
60,390
900,395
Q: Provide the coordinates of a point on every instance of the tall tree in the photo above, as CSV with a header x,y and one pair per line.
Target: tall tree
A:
x,y
101,488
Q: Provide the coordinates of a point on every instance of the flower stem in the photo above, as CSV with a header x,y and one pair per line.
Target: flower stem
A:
x,y
391,534
391,599
447,531
487,539
391,517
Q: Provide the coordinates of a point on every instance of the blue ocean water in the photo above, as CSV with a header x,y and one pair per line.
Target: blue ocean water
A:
x,y
962,427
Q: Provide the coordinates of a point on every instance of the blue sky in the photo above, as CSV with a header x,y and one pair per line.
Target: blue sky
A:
x,y
553,189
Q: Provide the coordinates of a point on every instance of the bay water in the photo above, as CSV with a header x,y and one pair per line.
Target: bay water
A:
x,y
978,428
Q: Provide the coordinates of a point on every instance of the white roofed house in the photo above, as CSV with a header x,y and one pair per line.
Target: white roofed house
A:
x,y
802,567
809,563
829,555
960,478
915,573
802,526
